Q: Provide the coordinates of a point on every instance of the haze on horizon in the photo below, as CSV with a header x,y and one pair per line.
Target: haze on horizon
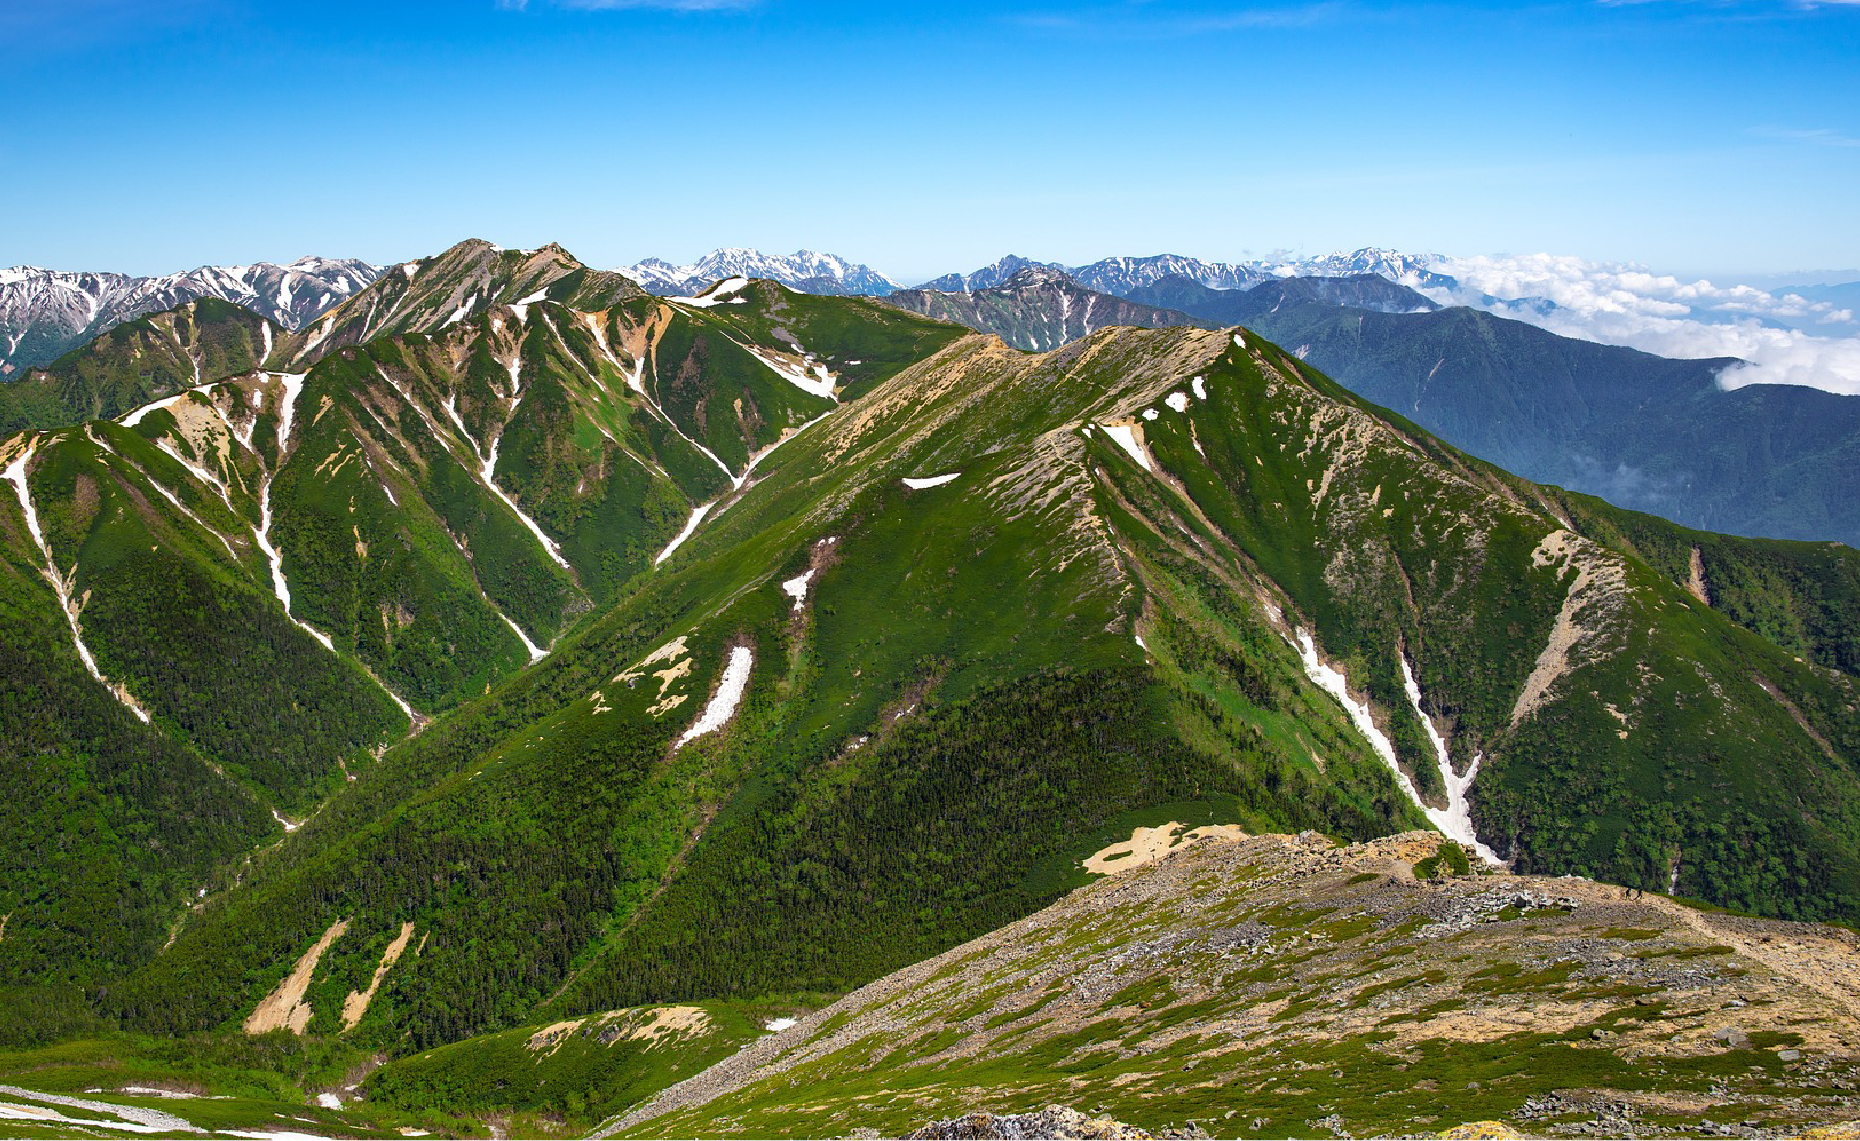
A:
x,y
1693,136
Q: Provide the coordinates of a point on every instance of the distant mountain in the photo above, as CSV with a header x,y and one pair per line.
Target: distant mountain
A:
x,y
989,276
1125,276
1843,296
1644,432
1037,309
803,270
1846,294
139,361
1420,269
1237,306
45,313
1122,276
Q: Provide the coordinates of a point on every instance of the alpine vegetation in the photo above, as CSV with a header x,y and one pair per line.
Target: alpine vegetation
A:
x,y
516,698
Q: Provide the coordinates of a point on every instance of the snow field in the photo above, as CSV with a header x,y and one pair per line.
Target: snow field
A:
x,y
729,694
1455,820
1126,439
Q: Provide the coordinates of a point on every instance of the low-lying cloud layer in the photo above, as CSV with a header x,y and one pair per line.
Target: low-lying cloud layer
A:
x,y
1786,339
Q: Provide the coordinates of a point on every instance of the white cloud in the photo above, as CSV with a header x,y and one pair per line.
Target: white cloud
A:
x,y
1658,313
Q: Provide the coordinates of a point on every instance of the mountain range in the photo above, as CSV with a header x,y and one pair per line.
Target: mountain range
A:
x,y
45,313
1037,309
803,270
1123,276
1647,433
508,646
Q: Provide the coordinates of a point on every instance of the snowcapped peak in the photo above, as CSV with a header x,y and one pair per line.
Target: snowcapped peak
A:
x,y
804,270
45,313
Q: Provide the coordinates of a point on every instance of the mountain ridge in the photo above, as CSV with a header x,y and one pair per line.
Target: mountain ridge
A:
x,y
1037,308
804,270
46,313
761,643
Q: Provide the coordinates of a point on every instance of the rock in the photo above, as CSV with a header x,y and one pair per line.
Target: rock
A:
x,y
1056,1122
1497,1130
1733,1038
1789,1055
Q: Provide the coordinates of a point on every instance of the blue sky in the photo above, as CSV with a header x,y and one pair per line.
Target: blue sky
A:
x,y
1691,135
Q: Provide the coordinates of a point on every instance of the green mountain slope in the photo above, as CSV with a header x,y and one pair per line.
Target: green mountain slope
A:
x,y
139,361
1645,432
262,568
894,686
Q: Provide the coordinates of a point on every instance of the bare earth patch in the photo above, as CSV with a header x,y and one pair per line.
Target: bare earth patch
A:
x,y
285,1008
356,1004
1147,845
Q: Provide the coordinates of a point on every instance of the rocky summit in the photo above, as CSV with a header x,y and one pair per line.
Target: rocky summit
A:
x,y
1278,986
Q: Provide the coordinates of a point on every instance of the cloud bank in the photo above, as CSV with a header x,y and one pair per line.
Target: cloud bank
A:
x,y
1785,339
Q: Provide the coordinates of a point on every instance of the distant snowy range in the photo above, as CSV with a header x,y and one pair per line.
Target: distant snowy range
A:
x,y
1802,334
1806,335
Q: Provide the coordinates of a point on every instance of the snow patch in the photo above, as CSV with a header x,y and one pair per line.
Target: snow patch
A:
x,y
797,587
1456,819
1200,385
777,1025
1331,681
720,295
1126,439
135,417
463,311
933,481
287,412
729,694
1453,821
122,1118
489,474
819,383
1150,413
537,653
691,524
61,584
1178,400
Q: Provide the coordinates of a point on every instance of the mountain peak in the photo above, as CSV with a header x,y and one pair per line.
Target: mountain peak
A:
x,y
805,270
469,277
45,313
1034,274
